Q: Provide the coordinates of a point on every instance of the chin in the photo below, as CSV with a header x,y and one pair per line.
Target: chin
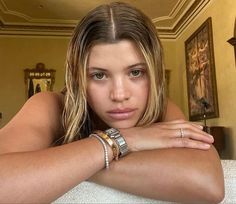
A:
x,y
122,124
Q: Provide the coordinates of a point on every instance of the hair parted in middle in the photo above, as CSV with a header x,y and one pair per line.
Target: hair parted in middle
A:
x,y
111,23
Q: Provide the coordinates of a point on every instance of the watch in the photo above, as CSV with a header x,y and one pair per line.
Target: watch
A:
x,y
119,139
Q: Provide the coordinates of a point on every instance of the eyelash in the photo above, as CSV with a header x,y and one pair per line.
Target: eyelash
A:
x,y
95,74
140,74
131,74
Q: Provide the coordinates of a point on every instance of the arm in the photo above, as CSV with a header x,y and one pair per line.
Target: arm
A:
x,y
173,112
173,174
30,170
29,165
168,174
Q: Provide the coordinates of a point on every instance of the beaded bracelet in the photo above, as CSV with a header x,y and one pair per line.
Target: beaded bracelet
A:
x,y
105,149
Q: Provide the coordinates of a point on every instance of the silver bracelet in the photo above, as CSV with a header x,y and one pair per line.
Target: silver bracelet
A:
x,y
105,149
119,139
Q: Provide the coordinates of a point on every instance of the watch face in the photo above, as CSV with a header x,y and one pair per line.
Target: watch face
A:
x,y
109,131
112,132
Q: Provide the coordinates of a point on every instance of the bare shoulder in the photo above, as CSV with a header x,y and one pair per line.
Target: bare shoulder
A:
x,y
36,125
173,112
42,105
48,100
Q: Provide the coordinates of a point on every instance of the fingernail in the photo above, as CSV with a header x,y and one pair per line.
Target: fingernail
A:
x,y
210,136
206,145
201,127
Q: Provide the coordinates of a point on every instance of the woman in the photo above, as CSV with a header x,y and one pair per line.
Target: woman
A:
x,y
114,78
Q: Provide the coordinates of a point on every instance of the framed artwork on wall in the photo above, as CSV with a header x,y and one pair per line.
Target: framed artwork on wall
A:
x,y
200,72
39,79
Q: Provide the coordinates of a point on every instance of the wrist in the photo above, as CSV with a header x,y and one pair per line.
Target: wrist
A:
x,y
129,136
106,151
110,154
110,142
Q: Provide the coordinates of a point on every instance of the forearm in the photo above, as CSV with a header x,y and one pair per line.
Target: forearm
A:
x,y
42,176
184,175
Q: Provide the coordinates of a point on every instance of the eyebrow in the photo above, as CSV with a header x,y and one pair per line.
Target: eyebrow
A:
x,y
138,64
97,68
130,66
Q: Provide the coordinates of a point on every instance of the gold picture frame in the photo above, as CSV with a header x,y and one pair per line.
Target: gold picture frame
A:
x,y
38,79
200,71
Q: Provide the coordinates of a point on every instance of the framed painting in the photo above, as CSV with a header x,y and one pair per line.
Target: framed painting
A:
x,y
39,79
200,72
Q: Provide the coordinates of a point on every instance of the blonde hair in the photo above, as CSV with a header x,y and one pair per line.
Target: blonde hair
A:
x,y
110,24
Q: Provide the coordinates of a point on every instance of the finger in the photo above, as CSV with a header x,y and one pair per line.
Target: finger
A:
x,y
190,134
188,128
195,135
180,124
188,143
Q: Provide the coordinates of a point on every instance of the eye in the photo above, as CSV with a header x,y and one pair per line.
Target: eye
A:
x,y
98,76
136,73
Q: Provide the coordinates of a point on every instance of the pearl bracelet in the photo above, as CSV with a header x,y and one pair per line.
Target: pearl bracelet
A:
x,y
105,149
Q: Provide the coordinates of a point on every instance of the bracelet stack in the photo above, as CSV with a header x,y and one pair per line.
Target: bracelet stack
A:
x,y
115,135
105,149
110,142
114,140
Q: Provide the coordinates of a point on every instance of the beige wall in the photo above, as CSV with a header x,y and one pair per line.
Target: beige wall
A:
x,y
223,13
19,53
170,63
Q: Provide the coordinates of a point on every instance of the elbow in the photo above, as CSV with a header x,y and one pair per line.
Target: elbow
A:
x,y
216,194
214,190
209,185
208,194
213,181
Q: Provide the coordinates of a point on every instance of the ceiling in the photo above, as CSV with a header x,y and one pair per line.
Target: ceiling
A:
x,y
59,17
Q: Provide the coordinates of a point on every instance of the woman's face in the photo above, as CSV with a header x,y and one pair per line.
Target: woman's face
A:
x,y
118,83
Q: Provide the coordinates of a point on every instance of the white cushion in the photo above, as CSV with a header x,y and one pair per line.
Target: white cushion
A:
x,y
88,192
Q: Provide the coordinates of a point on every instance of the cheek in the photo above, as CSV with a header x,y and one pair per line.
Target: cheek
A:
x,y
90,96
94,99
144,90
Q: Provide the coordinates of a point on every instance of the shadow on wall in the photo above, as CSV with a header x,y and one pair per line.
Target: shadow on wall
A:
x,y
0,119
228,152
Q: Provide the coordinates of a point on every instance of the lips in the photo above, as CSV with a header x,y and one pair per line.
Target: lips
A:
x,y
121,114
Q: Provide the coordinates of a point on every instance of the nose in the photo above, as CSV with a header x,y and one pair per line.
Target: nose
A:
x,y
119,91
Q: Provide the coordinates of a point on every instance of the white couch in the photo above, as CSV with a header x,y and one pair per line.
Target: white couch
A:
x,y
88,192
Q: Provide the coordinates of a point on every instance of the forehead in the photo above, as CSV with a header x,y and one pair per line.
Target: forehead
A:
x,y
121,51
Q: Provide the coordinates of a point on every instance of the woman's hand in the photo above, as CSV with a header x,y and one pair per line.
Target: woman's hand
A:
x,y
177,133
